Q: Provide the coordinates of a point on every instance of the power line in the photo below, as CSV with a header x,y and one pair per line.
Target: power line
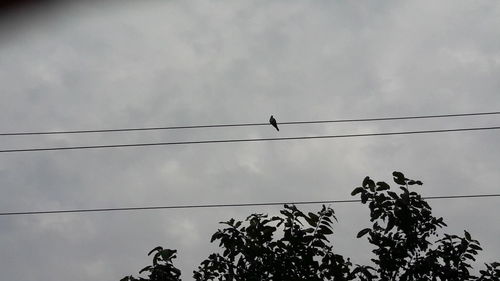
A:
x,y
204,206
248,124
247,140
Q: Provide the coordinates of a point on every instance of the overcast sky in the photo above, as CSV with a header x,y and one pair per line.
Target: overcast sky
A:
x,y
115,64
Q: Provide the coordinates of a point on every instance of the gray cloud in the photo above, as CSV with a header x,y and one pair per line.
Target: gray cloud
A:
x,y
109,65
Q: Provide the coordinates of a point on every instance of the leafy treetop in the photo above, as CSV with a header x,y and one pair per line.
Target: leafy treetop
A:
x,y
298,246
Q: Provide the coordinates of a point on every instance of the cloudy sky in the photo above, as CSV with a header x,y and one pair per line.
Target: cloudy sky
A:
x,y
115,64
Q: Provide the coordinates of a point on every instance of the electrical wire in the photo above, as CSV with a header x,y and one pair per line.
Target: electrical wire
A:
x,y
204,206
246,140
248,124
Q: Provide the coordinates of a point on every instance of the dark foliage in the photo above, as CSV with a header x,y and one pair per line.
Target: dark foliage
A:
x,y
252,253
162,267
297,246
403,230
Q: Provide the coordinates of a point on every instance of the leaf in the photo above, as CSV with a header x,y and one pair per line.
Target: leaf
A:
x,y
363,232
147,268
398,174
469,256
357,190
238,224
310,221
393,194
399,178
467,235
327,219
369,183
167,254
475,247
216,236
364,197
159,248
313,216
325,230
382,186
326,223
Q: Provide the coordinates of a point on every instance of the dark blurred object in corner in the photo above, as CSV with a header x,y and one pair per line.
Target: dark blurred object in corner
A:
x,y
17,6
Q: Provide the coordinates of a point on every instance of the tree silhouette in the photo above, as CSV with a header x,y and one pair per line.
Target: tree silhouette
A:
x,y
297,246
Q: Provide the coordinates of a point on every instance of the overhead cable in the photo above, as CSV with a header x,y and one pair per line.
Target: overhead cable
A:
x,y
204,206
246,140
247,124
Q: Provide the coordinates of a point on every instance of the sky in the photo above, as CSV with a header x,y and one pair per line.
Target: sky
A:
x,y
115,64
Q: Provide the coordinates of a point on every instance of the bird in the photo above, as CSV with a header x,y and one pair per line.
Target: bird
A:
x,y
272,121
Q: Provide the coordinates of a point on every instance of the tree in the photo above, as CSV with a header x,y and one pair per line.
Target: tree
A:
x,y
162,269
296,246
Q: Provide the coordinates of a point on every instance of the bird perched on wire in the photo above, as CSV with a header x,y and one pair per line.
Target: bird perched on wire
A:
x,y
273,122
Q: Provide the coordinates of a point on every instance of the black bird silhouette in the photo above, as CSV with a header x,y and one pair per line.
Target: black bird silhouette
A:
x,y
272,121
